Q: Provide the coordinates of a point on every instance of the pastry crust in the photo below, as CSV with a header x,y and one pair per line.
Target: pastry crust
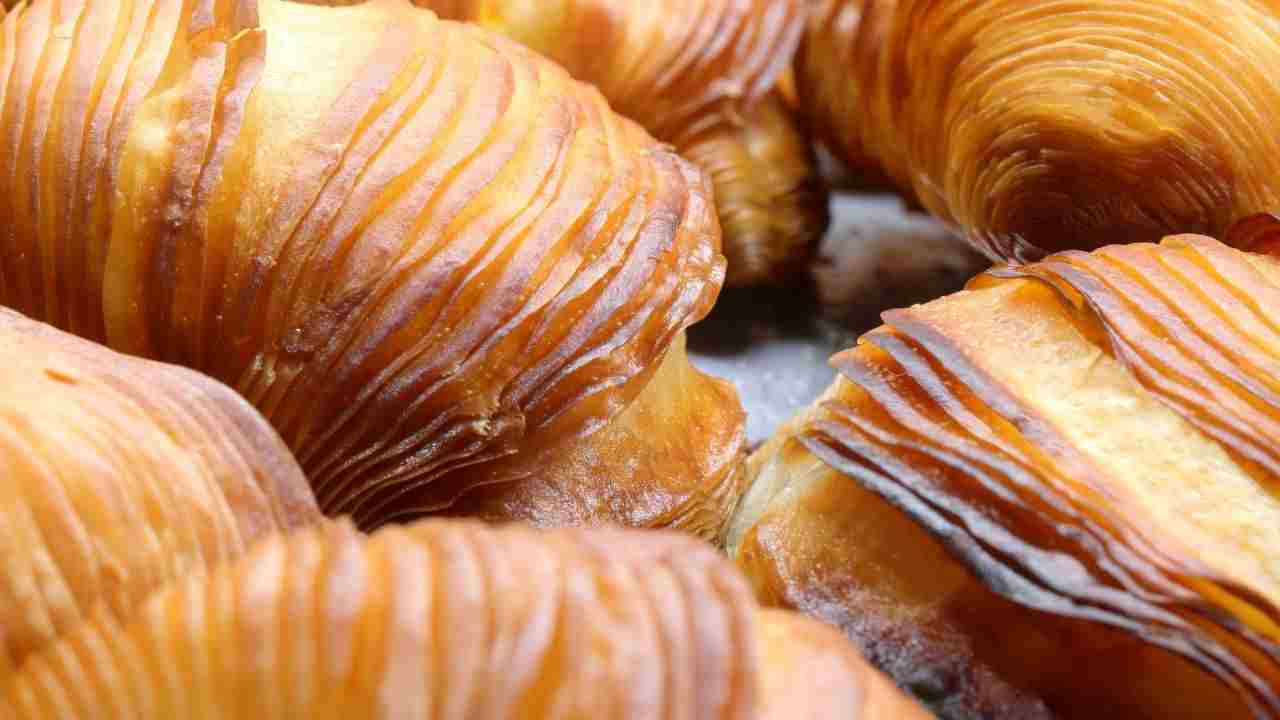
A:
x,y
708,77
118,475
1058,487
445,619
417,247
1045,125
609,478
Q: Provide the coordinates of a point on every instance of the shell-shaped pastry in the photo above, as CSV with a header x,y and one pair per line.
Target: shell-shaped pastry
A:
x,y
704,76
1044,125
1056,492
118,475
427,255
443,620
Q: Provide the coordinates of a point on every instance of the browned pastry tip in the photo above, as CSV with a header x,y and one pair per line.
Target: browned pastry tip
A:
x,y
706,76
417,247
691,484
446,619
1054,494
1045,125
771,201
118,475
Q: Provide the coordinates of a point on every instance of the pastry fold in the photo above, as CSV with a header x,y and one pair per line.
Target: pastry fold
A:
x,y
610,478
706,76
1037,126
453,619
118,475
1058,489
427,255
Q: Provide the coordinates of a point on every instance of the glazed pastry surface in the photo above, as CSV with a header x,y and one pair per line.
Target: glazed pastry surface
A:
x,y
1036,126
444,619
710,78
429,257
118,475
1057,489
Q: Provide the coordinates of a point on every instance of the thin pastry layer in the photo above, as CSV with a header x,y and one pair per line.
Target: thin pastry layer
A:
x,y
118,475
417,247
1061,478
444,619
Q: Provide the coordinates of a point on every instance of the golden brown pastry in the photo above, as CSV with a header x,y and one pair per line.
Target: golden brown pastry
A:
x,y
118,475
608,477
771,200
445,619
707,77
1056,494
428,256
1043,125
1257,233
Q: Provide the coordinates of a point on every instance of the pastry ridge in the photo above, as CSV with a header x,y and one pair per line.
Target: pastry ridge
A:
x,y
121,474
416,247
